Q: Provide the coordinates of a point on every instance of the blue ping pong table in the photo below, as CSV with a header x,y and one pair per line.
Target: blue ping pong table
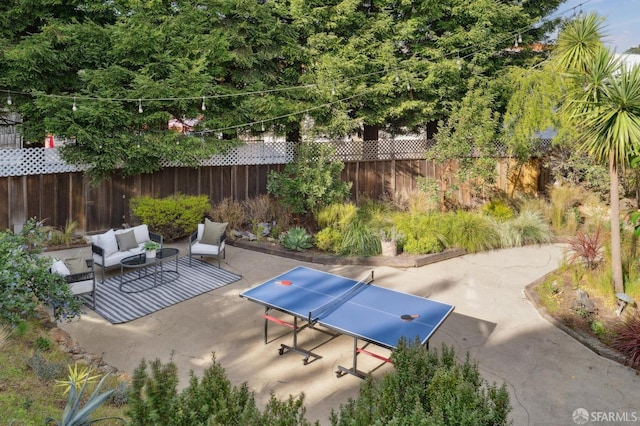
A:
x,y
342,305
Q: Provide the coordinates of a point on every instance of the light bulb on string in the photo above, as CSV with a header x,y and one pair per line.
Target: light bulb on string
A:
x,y
515,43
519,38
203,106
140,110
9,100
74,107
408,86
459,62
333,90
262,126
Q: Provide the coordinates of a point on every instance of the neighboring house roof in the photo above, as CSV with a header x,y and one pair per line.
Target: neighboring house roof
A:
x,y
630,59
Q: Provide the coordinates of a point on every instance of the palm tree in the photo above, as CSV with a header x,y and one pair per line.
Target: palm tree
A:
x,y
602,100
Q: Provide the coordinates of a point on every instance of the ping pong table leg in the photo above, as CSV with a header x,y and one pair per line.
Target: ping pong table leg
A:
x,y
353,370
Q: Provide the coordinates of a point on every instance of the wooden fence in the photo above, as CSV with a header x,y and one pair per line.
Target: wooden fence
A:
x,y
62,197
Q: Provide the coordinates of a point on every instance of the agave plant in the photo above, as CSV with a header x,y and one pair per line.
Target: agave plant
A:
x,y
73,414
296,238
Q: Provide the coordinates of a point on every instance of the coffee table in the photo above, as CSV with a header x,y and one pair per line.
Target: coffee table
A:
x,y
146,278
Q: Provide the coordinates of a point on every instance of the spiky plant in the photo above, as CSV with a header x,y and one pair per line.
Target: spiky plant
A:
x,y
627,340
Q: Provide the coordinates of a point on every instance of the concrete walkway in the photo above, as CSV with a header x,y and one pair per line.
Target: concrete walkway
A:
x,y
549,374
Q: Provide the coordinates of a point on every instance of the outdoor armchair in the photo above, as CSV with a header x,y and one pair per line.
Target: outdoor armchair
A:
x,y
208,240
81,278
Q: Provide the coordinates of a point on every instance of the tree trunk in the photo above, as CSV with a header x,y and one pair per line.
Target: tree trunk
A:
x,y
616,251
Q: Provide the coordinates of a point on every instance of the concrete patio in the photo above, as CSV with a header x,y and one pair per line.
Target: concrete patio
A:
x,y
548,373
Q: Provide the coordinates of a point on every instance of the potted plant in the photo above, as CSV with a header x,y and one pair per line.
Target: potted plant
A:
x,y
150,247
389,241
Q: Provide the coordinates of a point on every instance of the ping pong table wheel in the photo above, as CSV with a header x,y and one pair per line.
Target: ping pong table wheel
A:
x,y
305,360
281,351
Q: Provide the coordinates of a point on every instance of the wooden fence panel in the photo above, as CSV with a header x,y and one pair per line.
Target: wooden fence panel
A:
x,y
70,196
5,209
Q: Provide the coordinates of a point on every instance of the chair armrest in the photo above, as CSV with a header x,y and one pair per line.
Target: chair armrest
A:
x,y
97,250
83,276
155,237
223,237
193,237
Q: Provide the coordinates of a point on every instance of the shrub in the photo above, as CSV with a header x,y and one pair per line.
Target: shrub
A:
x,y
528,227
335,214
45,369
472,232
229,211
425,244
296,239
311,182
427,388
627,339
211,400
259,209
329,239
25,280
43,344
359,240
587,248
173,217
419,226
498,210
564,200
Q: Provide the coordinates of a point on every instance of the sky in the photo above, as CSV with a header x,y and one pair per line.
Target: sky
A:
x,y
622,24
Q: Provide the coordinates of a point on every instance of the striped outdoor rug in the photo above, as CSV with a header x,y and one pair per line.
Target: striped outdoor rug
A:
x,y
117,306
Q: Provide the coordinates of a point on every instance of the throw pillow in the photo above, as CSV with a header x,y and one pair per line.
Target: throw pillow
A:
x,y
108,242
126,241
212,232
60,268
76,265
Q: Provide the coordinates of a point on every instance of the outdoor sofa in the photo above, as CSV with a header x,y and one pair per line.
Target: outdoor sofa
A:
x,y
112,246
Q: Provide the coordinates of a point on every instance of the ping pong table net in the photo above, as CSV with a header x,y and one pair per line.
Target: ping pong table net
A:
x,y
329,307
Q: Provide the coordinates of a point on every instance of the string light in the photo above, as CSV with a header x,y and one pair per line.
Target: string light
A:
x,y
74,108
333,90
9,100
262,126
140,106
459,62
203,107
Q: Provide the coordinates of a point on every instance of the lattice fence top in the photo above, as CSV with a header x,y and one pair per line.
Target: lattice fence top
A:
x,y
34,161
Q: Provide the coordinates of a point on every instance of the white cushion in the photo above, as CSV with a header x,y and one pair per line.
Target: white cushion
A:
x,y
81,287
142,233
59,267
108,242
200,231
206,249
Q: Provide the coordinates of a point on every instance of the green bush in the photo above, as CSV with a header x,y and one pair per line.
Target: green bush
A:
x,y
359,239
155,400
25,280
470,231
311,182
427,388
498,210
528,227
335,214
425,244
173,217
329,239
